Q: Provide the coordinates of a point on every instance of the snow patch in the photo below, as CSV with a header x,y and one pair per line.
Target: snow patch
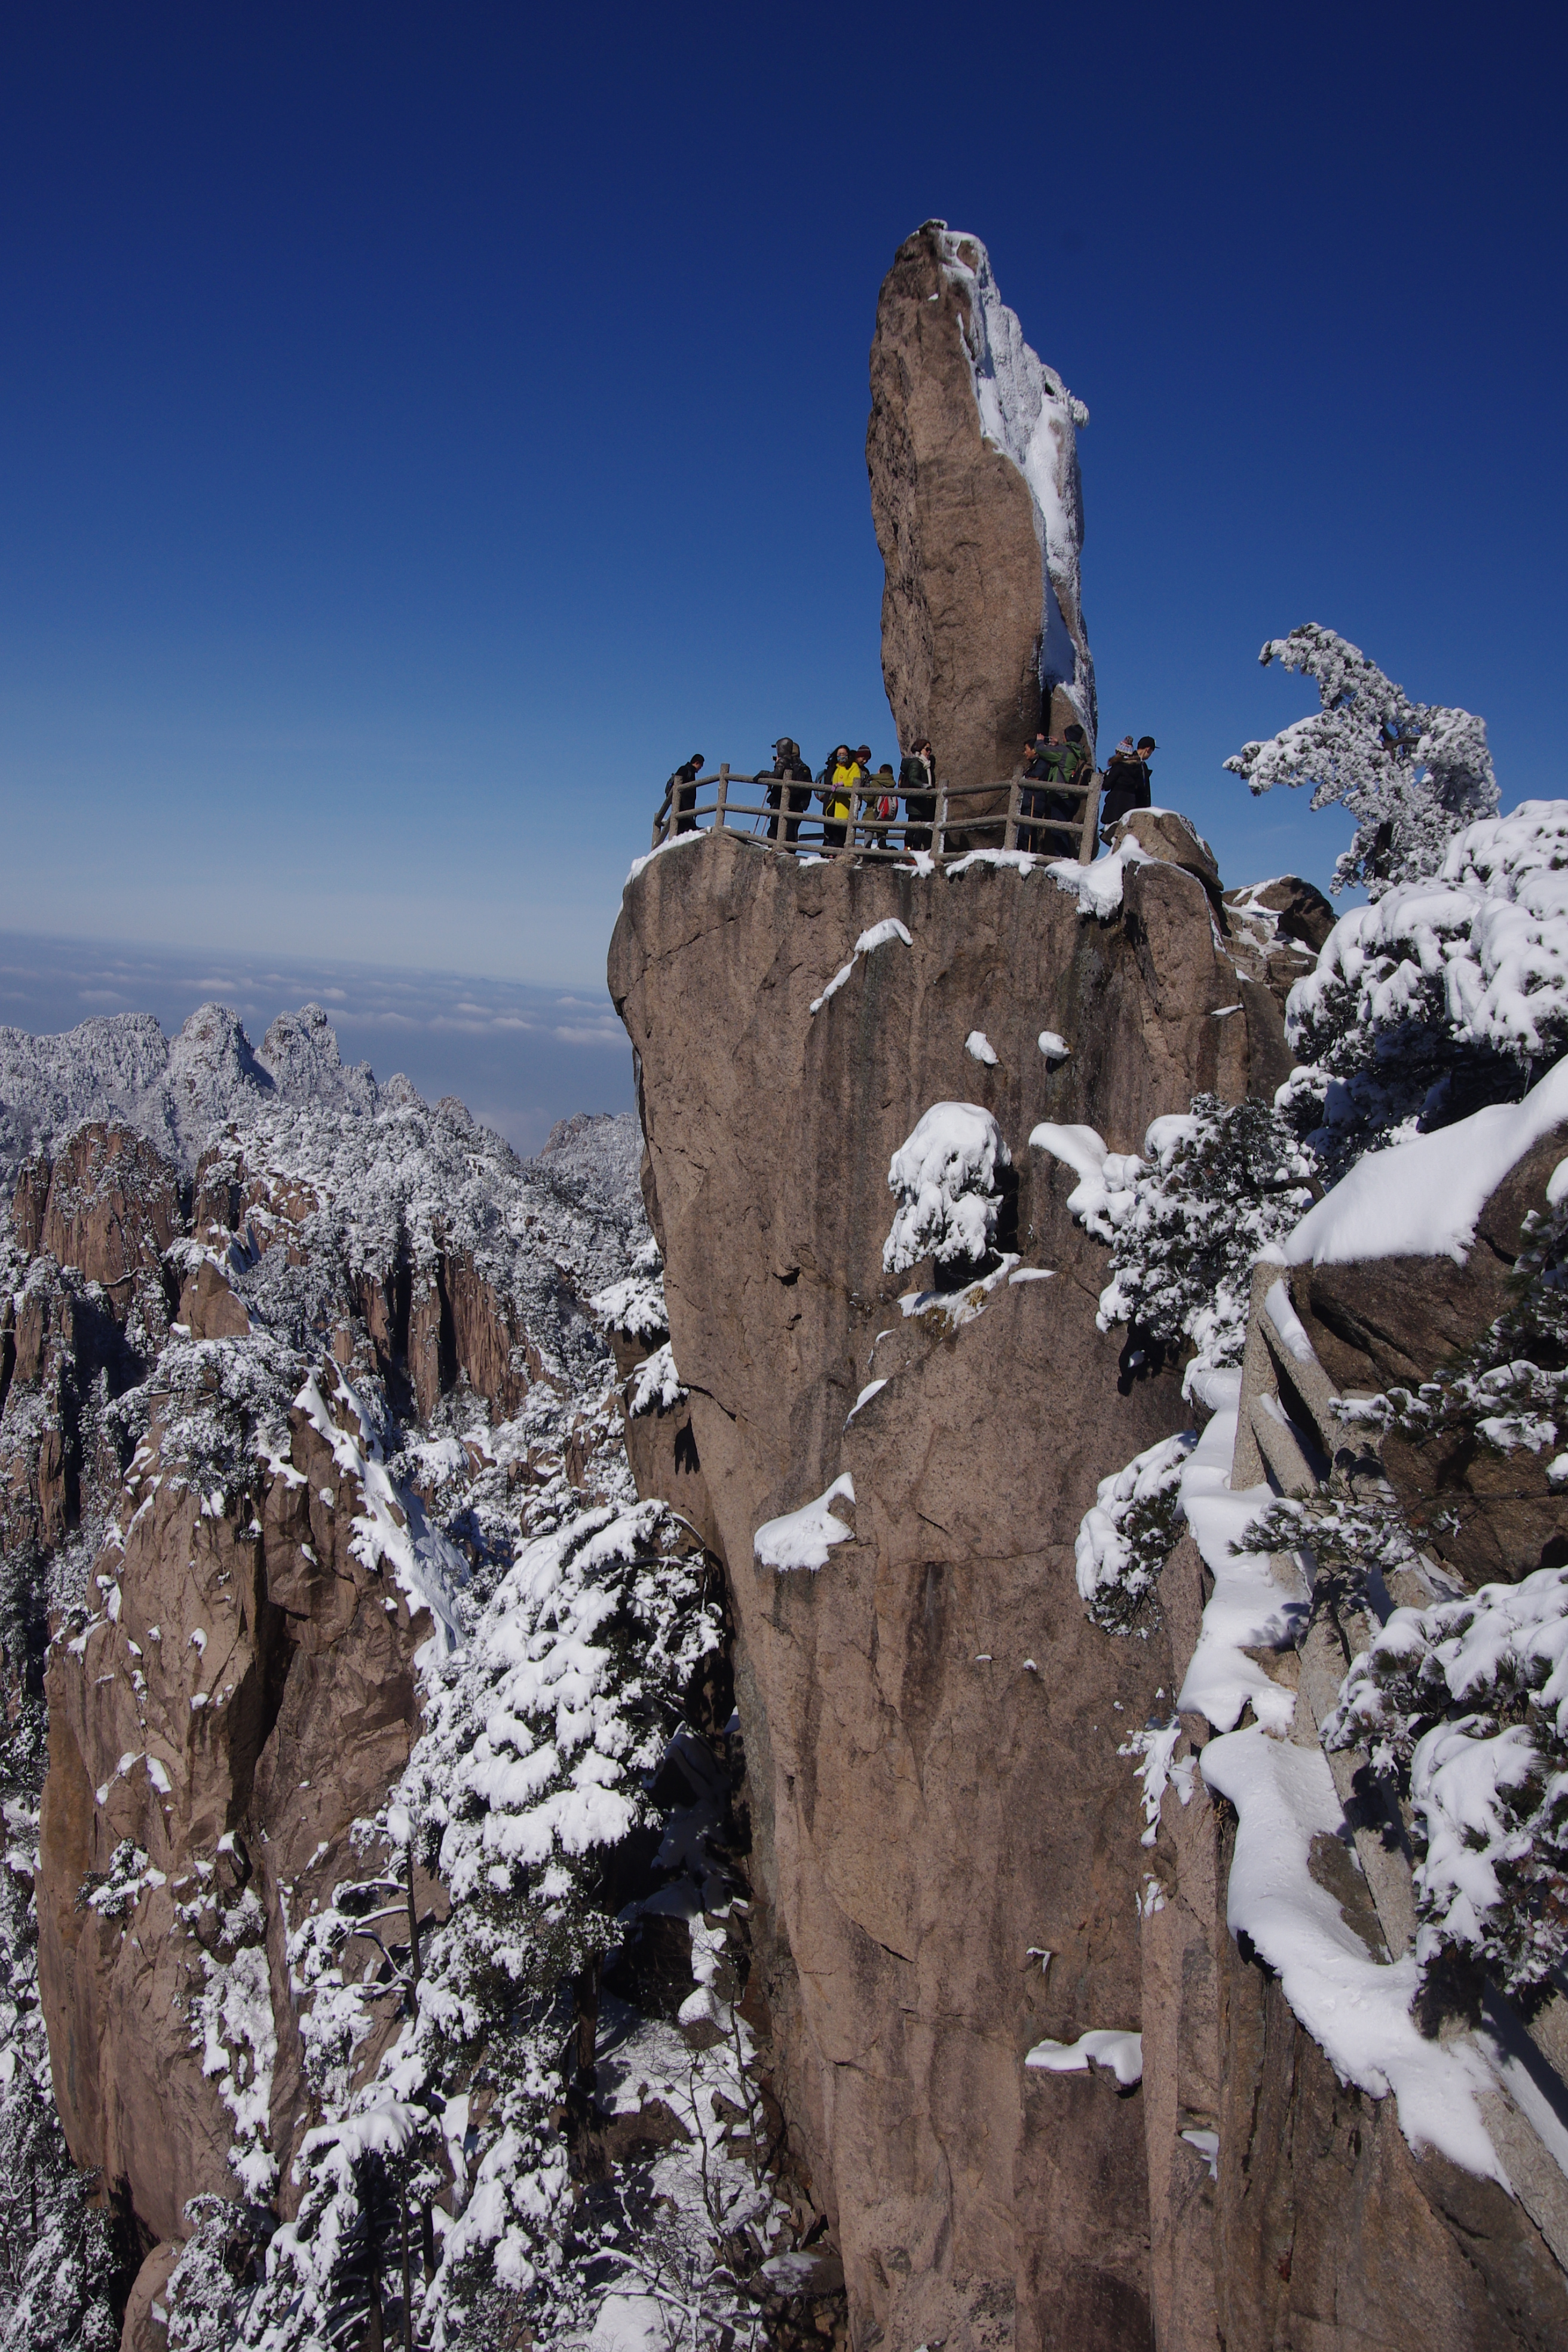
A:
x,y
878,936
1120,2055
802,1538
1355,2006
1423,1198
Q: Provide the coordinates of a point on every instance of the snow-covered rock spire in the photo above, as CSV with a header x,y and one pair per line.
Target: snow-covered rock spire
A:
x,y
1027,413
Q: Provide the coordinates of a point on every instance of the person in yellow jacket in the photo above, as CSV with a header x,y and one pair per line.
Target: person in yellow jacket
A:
x,y
835,789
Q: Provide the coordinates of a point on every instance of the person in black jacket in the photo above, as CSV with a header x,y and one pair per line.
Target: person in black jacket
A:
x,y
1127,782
785,793
917,783
682,790
1064,760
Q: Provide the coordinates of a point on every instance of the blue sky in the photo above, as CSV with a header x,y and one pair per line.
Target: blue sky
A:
x,y
422,426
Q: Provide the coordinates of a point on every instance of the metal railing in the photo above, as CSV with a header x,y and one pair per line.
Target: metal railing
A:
x,y
964,817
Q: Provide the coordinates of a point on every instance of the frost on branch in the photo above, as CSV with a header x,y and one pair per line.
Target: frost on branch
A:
x,y
1220,1185
1445,995
1468,1701
946,1177
1129,1532
655,1385
1411,773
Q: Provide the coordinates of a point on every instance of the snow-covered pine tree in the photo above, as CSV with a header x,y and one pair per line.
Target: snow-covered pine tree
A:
x,y
1411,773
1446,995
1223,1181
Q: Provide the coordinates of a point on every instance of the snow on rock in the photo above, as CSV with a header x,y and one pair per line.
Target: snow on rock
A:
x,y
1154,1748
391,1533
1248,1609
1104,1196
1356,2007
1098,887
1012,861
1120,2055
979,1048
1422,1198
661,849
945,1173
802,1538
878,936
1054,1048
1027,413
949,1310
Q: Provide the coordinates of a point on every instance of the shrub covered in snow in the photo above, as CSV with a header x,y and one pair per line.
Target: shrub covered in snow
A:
x,y
1411,773
541,1738
1468,1701
635,1307
1446,995
1129,1532
1508,1391
946,1177
1219,1185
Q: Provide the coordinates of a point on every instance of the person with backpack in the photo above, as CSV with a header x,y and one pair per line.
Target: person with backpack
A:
x,y
785,793
1061,761
681,790
836,791
1127,784
917,783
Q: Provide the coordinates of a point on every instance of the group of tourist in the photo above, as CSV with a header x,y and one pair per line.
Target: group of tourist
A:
x,y
1056,768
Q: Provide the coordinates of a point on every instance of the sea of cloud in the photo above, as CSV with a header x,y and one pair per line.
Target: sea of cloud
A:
x,y
520,1056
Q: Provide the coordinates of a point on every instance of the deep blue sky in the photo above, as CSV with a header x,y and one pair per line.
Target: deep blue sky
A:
x,y
423,426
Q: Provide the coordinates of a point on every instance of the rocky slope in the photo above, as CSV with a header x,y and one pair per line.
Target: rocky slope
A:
x,y
973,455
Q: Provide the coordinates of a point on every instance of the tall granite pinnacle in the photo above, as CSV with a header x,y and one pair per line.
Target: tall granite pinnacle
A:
x,y
972,454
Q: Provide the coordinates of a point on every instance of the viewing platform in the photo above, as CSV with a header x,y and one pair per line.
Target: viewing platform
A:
x,y
949,823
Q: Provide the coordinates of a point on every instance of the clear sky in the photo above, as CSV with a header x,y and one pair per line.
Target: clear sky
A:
x,y
423,426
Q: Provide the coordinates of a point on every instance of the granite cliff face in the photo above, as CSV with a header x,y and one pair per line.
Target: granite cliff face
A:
x,y
952,1863
936,1799
972,451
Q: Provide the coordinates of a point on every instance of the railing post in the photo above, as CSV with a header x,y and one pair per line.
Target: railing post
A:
x,y
723,796
939,838
1089,839
1014,804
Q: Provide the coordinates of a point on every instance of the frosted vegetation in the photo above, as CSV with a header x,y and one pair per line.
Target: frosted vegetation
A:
x,y
946,1175
1411,773
572,1623
1431,1039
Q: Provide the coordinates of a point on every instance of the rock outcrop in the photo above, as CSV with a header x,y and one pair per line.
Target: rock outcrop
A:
x,y
935,1796
972,450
